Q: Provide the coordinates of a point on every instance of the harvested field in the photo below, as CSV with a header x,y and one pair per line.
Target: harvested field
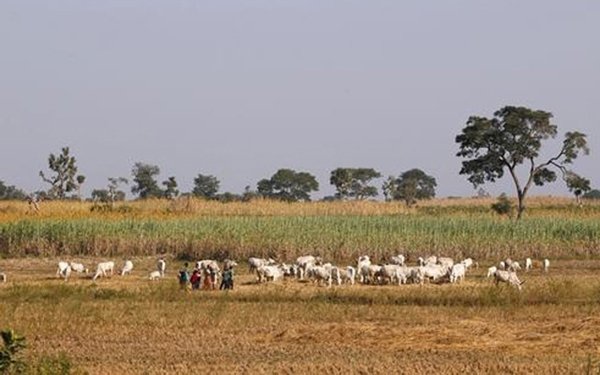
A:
x,y
131,325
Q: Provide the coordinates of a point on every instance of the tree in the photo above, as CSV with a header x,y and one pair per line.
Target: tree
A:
x,y
288,185
388,188
354,182
65,178
512,138
205,186
170,185
414,185
503,206
145,184
577,185
10,192
111,194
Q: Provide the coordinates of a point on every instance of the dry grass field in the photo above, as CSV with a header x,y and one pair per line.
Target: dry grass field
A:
x,y
132,325
124,325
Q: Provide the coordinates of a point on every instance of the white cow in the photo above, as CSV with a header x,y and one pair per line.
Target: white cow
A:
x,y
398,259
79,268
515,266
546,265
457,273
432,259
362,268
103,269
161,265
305,262
468,263
491,271
127,268
155,275
446,262
528,264
502,265
269,273
321,274
255,263
508,277
64,270
434,271
340,276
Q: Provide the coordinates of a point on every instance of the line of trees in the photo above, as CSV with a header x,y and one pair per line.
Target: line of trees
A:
x,y
509,142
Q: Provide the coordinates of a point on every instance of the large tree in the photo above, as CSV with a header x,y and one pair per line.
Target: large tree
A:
x,y
354,182
513,138
64,178
288,185
205,186
413,185
111,194
144,179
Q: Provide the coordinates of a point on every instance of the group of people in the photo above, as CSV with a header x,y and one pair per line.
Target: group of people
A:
x,y
205,278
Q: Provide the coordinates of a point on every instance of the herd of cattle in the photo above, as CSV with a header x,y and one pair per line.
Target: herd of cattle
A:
x,y
395,271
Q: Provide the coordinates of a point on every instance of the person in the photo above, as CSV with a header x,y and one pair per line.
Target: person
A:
x,y
184,277
227,281
207,282
195,280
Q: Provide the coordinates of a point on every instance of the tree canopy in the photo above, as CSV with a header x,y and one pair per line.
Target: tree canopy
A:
x,y
288,185
144,179
514,137
10,192
205,186
64,178
413,185
354,182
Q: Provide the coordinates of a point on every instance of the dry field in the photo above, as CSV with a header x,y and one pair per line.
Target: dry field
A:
x,y
131,325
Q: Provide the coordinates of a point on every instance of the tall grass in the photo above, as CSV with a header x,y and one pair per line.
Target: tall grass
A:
x,y
334,237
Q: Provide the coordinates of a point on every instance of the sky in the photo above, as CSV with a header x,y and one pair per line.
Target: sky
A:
x,y
239,89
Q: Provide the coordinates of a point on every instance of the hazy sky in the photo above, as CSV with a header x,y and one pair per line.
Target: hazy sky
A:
x,y
239,89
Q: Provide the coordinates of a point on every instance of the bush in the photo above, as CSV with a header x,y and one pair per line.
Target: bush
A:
x,y
503,206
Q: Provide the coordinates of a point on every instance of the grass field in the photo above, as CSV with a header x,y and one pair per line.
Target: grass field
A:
x,y
131,325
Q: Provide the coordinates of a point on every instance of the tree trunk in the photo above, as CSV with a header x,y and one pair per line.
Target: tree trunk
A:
x,y
521,206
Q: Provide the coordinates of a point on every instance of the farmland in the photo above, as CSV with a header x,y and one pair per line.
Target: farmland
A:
x,y
131,325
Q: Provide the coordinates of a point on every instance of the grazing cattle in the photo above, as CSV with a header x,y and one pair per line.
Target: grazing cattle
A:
x,y
393,273
415,274
546,265
161,265
127,268
103,269
269,273
255,263
321,274
515,266
79,268
508,277
155,275
305,262
502,265
362,268
432,259
468,263
64,270
457,272
434,272
445,262
528,264
491,271
2,277
398,259
340,276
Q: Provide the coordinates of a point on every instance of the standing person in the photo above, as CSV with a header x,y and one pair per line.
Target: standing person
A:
x,y
195,280
227,281
184,277
206,279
